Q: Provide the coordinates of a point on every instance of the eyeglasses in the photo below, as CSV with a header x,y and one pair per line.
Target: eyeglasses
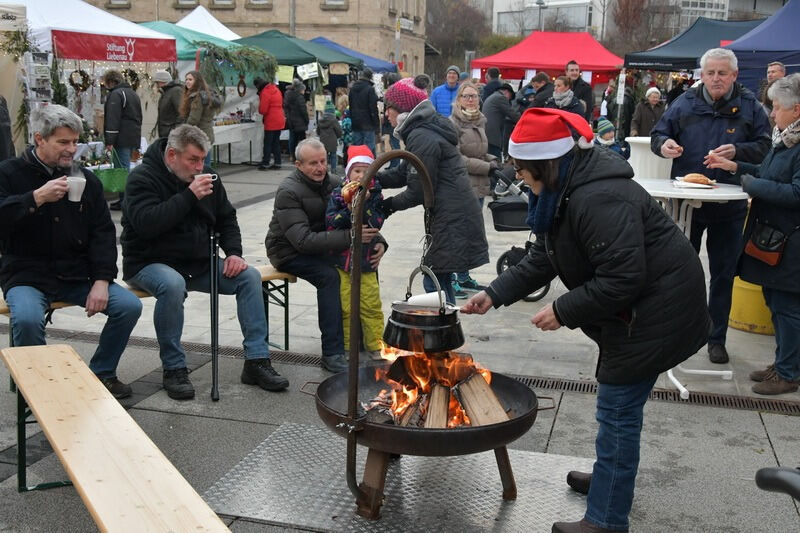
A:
x,y
469,96
517,169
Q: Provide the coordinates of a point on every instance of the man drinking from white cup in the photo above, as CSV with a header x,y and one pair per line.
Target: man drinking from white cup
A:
x,y
55,250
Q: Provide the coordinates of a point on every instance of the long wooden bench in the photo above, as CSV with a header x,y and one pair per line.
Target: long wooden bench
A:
x,y
124,480
274,286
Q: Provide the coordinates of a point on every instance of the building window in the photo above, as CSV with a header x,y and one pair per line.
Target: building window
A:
x,y
118,4
230,4
392,7
259,4
335,5
185,3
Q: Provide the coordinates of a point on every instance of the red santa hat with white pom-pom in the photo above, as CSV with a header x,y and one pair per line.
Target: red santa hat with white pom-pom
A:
x,y
547,134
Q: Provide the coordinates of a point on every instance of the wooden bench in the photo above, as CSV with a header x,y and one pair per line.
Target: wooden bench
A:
x,y
124,480
274,286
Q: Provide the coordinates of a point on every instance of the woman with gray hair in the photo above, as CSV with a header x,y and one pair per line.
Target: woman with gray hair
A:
x,y
647,113
771,241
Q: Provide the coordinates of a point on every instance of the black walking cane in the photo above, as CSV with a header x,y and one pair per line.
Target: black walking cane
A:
x,y
214,293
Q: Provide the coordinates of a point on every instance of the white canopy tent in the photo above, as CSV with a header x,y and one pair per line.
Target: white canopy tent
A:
x,y
203,21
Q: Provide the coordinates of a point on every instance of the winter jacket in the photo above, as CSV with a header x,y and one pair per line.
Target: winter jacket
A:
x,y
442,98
500,117
169,108
574,106
56,242
364,106
164,222
544,93
776,202
270,105
489,89
122,122
583,92
203,108
645,118
474,146
337,217
298,221
458,239
329,131
7,150
697,127
620,147
294,107
635,284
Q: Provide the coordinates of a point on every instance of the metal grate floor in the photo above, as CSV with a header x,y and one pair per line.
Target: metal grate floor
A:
x,y
422,493
709,399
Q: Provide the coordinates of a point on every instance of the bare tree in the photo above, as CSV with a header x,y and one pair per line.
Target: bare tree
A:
x,y
454,26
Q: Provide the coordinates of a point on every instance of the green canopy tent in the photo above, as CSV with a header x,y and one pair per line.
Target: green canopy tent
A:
x,y
292,51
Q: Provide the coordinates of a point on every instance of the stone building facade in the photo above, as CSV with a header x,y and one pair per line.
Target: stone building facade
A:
x,y
368,26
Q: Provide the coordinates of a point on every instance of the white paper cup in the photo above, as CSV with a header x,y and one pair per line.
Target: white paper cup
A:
x,y
429,299
75,186
214,177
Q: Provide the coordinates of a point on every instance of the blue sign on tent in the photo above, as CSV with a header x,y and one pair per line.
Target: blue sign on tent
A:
x,y
373,63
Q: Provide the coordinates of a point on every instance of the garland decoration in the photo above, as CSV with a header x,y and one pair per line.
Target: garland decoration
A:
x,y
132,76
59,89
84,83
15,44
243,60
241,87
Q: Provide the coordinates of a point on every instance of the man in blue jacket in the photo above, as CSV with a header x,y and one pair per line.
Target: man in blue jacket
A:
x,y
723,117
442,96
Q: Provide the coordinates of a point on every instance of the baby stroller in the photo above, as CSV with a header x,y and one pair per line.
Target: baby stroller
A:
x,y
509,211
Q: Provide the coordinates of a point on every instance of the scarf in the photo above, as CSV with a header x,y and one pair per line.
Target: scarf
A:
x,y
604,142
564,98
542,208
788,137
471,114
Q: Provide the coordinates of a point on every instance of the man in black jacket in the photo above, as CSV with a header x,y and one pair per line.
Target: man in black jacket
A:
x,y
297,242
544,89
169,103
492,83
122,122
54,249
171,207
581,89
364,110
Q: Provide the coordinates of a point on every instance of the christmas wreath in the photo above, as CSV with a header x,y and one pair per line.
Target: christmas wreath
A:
x,y
132,77
80,80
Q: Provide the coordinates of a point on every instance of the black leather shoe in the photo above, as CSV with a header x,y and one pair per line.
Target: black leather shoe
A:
x,y
177,384
116,205
260,372
717,354
579,481
118,389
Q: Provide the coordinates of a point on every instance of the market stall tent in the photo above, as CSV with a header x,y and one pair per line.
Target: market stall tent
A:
x,y
549,50
201,20
776,39
290,50
683,51
73,29
186,40
373,63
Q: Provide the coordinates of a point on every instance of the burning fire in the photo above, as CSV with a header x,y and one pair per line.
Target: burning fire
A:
x,y
421,372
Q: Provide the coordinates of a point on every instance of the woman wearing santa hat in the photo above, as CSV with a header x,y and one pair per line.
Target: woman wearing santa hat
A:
x,y
635,287
458,239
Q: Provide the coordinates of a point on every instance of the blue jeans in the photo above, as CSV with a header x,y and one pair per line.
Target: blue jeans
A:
x,y
272,146
332,160
722,245
619,413
319,272
445,282
785,308
364,137
169,288
28,306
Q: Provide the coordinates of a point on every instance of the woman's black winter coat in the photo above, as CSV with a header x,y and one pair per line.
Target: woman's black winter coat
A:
x,y
636,285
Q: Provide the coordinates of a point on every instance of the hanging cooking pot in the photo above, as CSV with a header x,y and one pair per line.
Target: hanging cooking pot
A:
x,y
419,328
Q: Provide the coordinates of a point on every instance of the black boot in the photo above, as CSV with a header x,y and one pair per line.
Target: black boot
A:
x,y
260,372
177,384
579,481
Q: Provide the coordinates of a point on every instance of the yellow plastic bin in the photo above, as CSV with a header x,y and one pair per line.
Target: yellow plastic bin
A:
x,y
749,311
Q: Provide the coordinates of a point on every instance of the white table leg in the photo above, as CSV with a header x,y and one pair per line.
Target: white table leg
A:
x,y
684,392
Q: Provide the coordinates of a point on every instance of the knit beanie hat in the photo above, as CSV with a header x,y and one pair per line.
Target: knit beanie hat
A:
x,y
652,90
358,153
454,69
406,94
604,126
544,133
162,76
329,107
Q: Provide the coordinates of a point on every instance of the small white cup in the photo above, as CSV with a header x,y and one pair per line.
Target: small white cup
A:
x,y
75,186
429,299
214,177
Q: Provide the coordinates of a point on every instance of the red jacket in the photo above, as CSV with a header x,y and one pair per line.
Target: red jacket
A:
x,y
271,107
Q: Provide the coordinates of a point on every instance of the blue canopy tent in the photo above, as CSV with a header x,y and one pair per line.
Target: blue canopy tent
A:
x,y
373,63
775,39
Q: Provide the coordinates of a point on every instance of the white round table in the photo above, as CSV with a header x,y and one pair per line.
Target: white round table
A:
x,y
679,202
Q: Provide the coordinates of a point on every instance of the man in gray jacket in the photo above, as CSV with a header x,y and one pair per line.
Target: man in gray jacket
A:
x,y
500,118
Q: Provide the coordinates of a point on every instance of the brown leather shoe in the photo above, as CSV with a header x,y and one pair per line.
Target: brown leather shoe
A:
x,y
584,526
774,384
759,375
579,481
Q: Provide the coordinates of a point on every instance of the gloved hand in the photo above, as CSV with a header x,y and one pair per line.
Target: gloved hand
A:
x,y
386,207
746,180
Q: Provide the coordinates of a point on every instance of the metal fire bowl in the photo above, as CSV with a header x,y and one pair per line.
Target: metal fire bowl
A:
x,y
332,408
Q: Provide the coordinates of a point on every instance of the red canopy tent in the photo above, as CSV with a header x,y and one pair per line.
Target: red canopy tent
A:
x,y
550,51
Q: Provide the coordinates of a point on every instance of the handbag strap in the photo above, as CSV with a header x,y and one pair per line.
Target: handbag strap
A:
x,y
119,161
